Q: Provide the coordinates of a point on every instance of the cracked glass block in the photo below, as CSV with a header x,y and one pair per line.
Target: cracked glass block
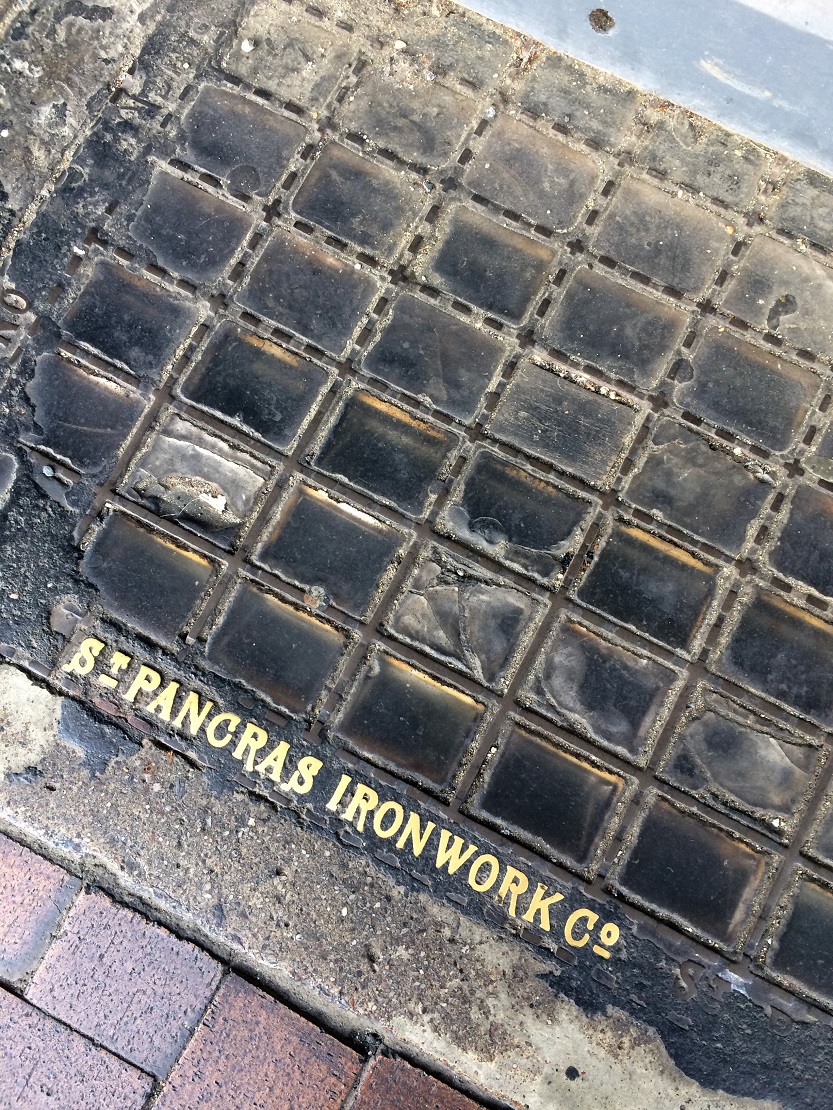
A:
x,y
743,763
386,451
579,430
264,388
782,652
616,328
275,648
486,264
129,320
801,954
699,486
436,357
516,517
368,205
804,548
651,586
82,417
782,291
190,231
757,395
403,718
532,174
322,543
239,140
309,291
476,623
616,696
188,474
556,799
695,874
145,578
423,124
672,241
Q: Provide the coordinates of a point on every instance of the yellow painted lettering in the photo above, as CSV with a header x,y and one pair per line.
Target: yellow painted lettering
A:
x,y
450,852
118,662
338,793
163,703
608,935
493,866
195,713
574,918
84,659
146,679
230,720
514,884
419,837
252,740
541,905
271,767
380,816
361,803
302,780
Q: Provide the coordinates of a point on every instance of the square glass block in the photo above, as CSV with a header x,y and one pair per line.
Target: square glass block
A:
x,y
670,240
652,586
552,797
256,385
819,845
239,140
188,474
83,417
622,331
616,696
698,486
190,231
320,542
532,174
514,516
474,622
755,394
145,578
488,265
742,763
129,320
804,548
685,869
572,426
309,291
435,356
782,652
798,952
820,460
404,719
275,648
386,451
371,206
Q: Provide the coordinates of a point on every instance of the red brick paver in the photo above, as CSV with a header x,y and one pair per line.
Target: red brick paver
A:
x,y
395,1085
251,1053
126,982
45,1066
33,895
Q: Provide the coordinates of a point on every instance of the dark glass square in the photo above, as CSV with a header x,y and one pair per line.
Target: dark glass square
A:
x,y
403,718
651,585
277,649
616,328
146,579
516,517
698,486
783,653
802,952
323,543
190,232
475,622
615,696
554,418
130,320
386,451
82,417
266,389
486,264
357,200
239,140
693,873
805,546
430,353
309,291
761,397
552,797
